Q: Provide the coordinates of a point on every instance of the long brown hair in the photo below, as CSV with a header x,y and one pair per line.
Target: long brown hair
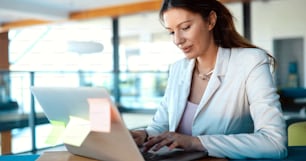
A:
x,y
224,32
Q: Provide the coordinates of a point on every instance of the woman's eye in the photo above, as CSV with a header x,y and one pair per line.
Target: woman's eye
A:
x,y
185,28
171,33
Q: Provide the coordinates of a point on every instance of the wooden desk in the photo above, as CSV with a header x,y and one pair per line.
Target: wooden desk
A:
x,y
66,156
295,153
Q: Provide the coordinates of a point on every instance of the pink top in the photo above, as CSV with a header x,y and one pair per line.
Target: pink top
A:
x,y
185,126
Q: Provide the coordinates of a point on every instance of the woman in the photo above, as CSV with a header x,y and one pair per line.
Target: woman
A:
x,y
220,98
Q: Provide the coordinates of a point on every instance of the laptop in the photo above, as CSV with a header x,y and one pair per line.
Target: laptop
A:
x,y
117,144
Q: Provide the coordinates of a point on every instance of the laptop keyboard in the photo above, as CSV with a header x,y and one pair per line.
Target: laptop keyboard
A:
x,y
150,156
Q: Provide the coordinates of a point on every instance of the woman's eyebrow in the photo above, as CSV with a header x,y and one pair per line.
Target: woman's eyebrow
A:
x,y
168,28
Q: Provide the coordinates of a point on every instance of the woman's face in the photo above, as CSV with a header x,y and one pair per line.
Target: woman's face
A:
x,y
189,31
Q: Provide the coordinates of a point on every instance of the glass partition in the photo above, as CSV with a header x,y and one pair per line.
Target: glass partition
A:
x,y
146,51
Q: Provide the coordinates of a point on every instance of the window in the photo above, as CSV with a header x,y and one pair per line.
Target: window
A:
x,y
146,51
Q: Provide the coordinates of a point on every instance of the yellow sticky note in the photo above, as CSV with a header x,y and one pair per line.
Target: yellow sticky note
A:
x,y
76,131
100,114
56,133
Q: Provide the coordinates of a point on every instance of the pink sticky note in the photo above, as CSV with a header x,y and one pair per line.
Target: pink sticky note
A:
x,y
100,114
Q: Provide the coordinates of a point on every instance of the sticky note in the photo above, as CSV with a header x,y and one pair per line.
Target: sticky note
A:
x,y
76,131
56,133
100,114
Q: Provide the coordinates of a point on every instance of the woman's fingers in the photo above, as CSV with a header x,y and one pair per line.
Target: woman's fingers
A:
x,y
165,139
168,139
173,140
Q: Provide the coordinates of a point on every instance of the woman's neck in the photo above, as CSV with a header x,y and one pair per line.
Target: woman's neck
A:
x,y
206,62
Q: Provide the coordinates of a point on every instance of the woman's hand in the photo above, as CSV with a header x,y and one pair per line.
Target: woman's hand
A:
x,y
173,140
139,136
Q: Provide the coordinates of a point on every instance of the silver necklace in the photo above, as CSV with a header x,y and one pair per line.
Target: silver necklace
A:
x,y
204,76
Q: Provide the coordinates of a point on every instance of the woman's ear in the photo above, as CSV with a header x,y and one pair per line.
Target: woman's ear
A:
x,y
212,19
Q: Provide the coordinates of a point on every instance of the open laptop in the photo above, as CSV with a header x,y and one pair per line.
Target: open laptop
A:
x,y
59,103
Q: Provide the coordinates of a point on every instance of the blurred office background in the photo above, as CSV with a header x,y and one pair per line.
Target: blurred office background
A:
x,y
129,55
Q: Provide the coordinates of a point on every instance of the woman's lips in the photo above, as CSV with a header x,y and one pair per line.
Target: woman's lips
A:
x,y
186,49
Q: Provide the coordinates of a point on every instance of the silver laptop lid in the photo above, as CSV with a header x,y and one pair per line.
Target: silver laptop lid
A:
x,y
59,103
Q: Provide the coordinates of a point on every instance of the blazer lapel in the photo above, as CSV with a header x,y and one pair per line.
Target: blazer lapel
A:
x,y
221,66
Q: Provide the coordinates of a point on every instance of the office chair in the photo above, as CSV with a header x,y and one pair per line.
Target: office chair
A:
x,y
297,134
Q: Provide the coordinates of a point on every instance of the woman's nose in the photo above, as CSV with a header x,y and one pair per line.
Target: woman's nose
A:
x,y
178,39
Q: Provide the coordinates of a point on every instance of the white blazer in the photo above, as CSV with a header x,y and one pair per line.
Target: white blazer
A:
x,y
239,115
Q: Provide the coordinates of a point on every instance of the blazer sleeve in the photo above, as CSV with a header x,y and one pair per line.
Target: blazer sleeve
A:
x,y
167,113
269,138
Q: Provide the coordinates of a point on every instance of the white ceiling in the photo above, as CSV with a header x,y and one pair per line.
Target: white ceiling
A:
x,y
17,10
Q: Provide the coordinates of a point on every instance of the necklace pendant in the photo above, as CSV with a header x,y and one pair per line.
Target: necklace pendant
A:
x,y
204,77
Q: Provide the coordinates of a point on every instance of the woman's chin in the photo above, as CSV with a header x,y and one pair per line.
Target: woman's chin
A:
x,y
189,56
